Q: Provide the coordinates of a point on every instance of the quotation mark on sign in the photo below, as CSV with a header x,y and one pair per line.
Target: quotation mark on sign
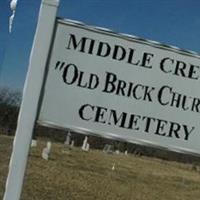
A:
x,y
64,68
59,65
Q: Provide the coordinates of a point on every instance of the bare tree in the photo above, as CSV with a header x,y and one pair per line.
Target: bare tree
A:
x,y
9,107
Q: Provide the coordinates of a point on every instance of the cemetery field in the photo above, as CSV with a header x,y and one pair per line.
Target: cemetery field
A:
x,y
77,175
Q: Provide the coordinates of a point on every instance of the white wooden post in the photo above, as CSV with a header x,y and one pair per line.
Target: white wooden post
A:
x,y
30,100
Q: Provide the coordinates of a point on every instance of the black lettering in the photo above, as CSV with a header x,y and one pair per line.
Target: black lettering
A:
x,y
148,122
163,62
109,85
116,119
195,105
81,110
180,67
133,121
129,89
74,44
80,80
147,93
160,127
134,91
146,60
100,115
187,132
174,129
160,95
116,53
74,76
94,79
120,88
184,102
91,47
176,99
192,72
130,57
103,46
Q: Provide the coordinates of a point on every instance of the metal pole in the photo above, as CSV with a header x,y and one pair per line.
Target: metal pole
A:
x,y
30,100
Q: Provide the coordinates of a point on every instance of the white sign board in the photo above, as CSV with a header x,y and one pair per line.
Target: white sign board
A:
x,y
122,87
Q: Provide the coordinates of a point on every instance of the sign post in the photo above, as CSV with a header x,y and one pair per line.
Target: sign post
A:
x,y
30,100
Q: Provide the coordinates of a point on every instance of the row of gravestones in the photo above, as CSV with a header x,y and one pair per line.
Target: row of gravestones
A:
x,y
70,143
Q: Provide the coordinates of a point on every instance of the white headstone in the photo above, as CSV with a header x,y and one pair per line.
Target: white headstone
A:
x,y
34,143
126,152
68,139
84,146
45,154
72,143
108,148
46,151
113,167
117,152
87,148
49,146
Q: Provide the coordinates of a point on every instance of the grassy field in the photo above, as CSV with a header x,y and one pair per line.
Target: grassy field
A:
x,y
76,175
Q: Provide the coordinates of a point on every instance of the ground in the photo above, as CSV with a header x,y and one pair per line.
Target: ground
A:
x,y
77,175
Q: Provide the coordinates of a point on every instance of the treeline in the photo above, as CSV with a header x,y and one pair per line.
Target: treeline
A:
x,y
9,108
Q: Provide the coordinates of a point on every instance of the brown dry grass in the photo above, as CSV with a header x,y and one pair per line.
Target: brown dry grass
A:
x,y
76,175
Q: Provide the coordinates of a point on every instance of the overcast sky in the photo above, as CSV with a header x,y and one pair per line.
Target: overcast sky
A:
x,y
173,22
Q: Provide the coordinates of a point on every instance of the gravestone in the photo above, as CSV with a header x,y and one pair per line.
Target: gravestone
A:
x,y
68,139
72,144
108,148
117,152
113,167
34,143
46,151
85,146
